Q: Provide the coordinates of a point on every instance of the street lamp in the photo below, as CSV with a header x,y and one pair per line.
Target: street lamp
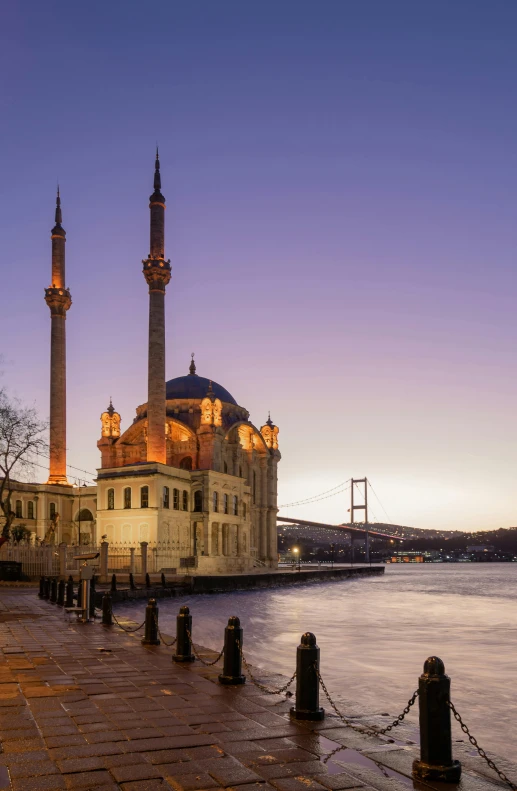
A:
x,y
297,556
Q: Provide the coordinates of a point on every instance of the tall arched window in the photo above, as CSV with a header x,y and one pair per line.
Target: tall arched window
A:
x,y
186,463
111,499
225,501
225,467
52,510
30,510
185,500
176,499
18,509
215,502
235,505
198,500
127,497
144,497
166,497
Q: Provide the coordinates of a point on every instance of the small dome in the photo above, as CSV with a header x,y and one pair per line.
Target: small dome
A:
x,y
194,386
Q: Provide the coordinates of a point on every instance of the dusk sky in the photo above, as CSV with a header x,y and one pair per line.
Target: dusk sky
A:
x,y
341,194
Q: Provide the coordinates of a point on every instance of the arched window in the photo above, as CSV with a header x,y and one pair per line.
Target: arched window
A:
x,y
185,500
244,510
198,500
111,499
52,510
235,505
166,497
254,486
225,467
215,502
30,510
186,463
127,497
176,499
225,501
144,497
85,515
18,508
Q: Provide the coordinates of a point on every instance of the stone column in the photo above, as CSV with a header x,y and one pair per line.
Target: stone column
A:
x,y
143,552
104,561
220,539
239,540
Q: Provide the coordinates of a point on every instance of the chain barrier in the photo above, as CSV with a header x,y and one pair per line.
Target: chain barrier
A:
x,y
123,627
481,752
160,635
369,730
198,656
253,680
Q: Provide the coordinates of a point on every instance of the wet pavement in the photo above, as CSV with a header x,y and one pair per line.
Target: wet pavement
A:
x,y
84,706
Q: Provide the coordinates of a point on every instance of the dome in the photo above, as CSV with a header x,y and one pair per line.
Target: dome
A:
x,y
194,386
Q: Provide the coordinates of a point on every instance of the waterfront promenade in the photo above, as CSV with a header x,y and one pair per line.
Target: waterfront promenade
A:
x,y
89,707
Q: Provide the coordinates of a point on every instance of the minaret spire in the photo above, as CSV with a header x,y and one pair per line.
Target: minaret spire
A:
x,y
157,272
59,300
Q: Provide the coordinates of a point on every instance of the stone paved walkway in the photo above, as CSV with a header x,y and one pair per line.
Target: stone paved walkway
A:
x,y
89,707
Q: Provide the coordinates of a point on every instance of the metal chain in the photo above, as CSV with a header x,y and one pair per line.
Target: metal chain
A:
x,y
123,627
253,680
161,635
369,730
198,656
480,750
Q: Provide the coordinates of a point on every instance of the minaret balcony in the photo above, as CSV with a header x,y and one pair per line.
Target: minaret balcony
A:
x,y
58,300
157,272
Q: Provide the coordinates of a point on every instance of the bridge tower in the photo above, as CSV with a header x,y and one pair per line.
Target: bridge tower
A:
x,y
360,507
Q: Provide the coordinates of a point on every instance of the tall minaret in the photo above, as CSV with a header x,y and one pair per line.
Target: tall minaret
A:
x,y
57,297
157,272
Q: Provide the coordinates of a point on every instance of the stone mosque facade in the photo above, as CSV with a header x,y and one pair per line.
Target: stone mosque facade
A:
x,y
191,473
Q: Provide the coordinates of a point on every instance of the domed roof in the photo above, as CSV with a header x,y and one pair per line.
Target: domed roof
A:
x,y
194,386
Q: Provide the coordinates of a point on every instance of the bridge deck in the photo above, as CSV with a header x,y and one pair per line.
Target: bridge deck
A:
x,y
345,528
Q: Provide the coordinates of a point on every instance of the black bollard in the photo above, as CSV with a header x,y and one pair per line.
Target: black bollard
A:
x,y
92,597
61,593
107,620
113,583
436,762
183,630
307,682
164,582
232,667
70,592
53,590
147,581
41,593
46,588
151,624
132,585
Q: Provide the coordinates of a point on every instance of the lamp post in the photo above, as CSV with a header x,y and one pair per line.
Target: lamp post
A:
x,y
297,556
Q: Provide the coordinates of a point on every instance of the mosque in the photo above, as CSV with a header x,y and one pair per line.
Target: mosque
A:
x,y
191,472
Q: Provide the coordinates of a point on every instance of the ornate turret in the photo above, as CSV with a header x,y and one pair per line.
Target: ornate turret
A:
x,y
110,420
157,272
58,298
270,433
192,366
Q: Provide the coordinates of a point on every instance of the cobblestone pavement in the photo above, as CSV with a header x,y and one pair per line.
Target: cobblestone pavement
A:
x,y
88,707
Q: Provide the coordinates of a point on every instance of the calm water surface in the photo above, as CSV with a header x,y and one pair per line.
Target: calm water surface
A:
x,y
375,633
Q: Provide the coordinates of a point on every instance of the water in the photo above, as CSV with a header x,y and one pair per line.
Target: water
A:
x,y
375,633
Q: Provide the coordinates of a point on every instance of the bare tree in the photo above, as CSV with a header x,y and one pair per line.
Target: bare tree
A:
x,y
22,437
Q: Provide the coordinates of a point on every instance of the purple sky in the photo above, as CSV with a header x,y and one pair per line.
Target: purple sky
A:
x,y
340,181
